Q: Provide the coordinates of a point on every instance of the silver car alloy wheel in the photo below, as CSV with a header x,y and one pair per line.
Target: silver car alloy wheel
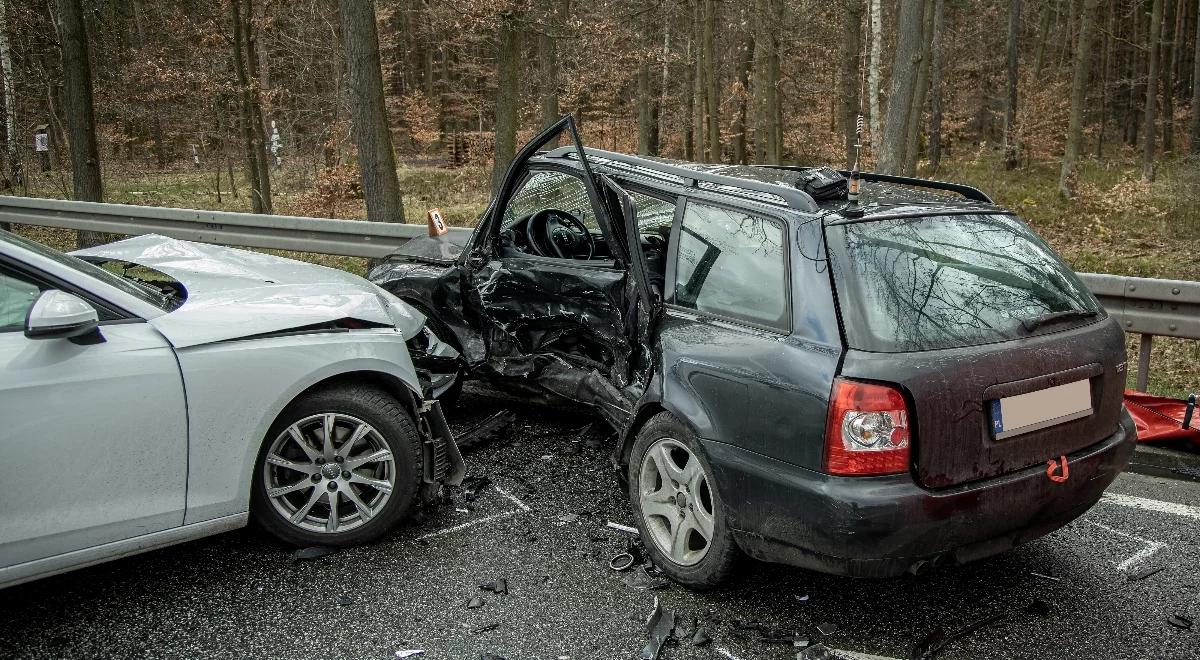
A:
x,y
329,473
676,501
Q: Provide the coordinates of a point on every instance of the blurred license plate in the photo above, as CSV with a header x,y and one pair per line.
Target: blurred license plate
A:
x,y
1024,413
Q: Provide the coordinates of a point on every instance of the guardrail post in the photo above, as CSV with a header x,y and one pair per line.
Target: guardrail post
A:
x,y
1143,372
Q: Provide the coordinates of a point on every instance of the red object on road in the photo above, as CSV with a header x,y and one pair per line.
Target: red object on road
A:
x,y
1160,418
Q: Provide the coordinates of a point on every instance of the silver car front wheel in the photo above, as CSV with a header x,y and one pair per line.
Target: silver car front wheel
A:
x,y
329,473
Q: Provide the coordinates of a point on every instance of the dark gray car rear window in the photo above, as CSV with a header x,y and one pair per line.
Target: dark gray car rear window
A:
x,y
912,284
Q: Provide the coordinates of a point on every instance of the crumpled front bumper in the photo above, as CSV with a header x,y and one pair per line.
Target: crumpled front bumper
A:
x,y
885,526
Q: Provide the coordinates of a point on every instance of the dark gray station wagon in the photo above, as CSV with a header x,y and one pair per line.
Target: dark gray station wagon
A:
x,y
859,389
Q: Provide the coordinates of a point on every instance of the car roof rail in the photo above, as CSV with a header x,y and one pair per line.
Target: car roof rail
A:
x,y
969,192
793,198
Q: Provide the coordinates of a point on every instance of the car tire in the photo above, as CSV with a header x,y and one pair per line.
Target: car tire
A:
x,y
340,481
674,517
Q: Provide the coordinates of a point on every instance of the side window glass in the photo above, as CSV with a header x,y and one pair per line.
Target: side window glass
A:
x,y
654,215
16,297
550,190
732,264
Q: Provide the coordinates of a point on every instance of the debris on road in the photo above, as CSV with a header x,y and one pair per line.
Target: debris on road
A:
x,y
345,600
566,518
482,629
1180,621
486,430
475,603
499,586
818,652
1038,607
700,637
1045,577
934,642
490,656
622,562
643,579
623,528
410,653
471,487
827,628
312,552
801,599
659,627
1144,573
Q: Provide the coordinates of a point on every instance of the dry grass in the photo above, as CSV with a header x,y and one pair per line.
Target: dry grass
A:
x,y
1117,225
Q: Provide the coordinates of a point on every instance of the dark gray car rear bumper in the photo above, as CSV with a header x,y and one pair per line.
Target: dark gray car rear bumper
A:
x,y
885,526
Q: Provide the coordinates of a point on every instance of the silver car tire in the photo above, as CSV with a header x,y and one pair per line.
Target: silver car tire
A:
x,y
678,507
348,490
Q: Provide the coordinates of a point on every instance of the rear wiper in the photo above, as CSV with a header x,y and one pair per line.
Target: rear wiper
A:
x,y
1053,317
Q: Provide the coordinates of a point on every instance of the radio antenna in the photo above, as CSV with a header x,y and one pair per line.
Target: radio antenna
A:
x,y
852,208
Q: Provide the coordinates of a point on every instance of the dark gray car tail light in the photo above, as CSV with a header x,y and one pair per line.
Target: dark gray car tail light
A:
x,y
868,431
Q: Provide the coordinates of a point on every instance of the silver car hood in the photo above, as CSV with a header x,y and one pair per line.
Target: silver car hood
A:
x,y
234,293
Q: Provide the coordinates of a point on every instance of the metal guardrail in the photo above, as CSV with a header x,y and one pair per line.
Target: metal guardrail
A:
x,y
1148,307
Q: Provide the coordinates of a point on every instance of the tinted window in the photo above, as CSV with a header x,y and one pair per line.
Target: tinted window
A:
x,y
16,297
924,283
550,190
654,215
732,264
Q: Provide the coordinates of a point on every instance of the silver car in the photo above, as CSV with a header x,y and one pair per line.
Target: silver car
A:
x,y
153,391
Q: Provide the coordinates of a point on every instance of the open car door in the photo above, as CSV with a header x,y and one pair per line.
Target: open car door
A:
x,y
566,324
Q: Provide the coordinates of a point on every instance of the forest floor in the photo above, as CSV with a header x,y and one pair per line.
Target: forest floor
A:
x,y
1117,224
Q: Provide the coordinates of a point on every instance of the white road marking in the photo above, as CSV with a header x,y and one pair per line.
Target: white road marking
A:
x,y
480,521
524,507
1152,505
1151,547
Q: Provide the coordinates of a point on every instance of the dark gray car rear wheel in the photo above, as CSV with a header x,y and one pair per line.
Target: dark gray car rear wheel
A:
x,y
340,467
678,505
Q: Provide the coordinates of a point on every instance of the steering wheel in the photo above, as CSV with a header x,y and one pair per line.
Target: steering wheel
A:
x,y
565,234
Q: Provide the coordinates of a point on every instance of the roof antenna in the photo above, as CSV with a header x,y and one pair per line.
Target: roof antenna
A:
x,y
852,208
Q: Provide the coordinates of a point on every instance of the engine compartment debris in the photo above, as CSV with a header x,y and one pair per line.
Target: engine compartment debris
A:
x,y
659,628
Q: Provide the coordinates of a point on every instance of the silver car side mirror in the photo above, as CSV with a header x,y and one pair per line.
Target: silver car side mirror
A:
x,y
60,315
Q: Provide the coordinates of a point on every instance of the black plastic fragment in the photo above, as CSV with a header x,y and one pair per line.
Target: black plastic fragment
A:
x,y
1038,607
934,642
471,487
817,652
345,600
312,552
658,630
1180,621
486,430
483,629
499,586
1144,573
475,603
640,578
827,628
700,637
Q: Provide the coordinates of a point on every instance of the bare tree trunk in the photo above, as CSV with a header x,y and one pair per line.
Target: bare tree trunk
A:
x,y
376,160
904,74
850,89
1105,61
251,111
746,61
548,61
645,118
1194,144
77,105
508,89
912,134
1083,63
698,87
873,76
1167,58
1149,133
775,97
689,101
935,91
661,131
1010,99
12,141
1039,56
712,94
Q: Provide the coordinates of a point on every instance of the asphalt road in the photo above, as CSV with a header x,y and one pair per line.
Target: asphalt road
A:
x,y
541,527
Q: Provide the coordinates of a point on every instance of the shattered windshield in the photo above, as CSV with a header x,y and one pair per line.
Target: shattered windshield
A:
x,y
908,284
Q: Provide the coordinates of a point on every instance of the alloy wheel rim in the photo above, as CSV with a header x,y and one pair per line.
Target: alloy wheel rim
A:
x,y
676,500
329,473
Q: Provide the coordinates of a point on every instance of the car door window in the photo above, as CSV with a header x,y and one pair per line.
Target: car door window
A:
x,y
732,264
546,189
16,297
